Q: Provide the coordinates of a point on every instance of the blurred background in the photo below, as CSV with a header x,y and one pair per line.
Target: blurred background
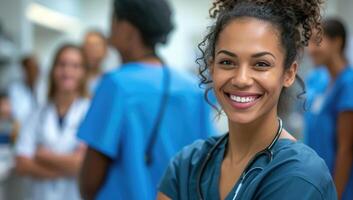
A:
x,y
38,27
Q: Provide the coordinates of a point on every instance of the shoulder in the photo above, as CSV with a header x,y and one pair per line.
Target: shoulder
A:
x,y
303,158
347,77
195,153
297,162
183,166
110,83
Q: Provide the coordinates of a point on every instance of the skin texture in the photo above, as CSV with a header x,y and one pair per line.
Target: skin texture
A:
x,y
31,70
68,74
248,61
329,54
5,108
95,50
98,164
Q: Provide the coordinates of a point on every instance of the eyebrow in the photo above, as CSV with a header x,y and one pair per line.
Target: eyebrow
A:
x,y
257,55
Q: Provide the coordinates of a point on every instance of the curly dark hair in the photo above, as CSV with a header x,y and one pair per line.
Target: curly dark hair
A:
x,y
296,21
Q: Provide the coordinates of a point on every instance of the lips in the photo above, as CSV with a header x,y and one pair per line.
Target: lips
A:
x,y
243,100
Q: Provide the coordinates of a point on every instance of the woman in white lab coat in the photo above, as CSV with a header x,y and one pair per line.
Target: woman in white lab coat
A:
x,y
48,151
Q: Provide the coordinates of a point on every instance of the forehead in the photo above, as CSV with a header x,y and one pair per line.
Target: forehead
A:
x,y
249,36
94,37
70,53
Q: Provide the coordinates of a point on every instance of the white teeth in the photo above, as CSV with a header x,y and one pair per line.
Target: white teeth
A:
x,y
242,99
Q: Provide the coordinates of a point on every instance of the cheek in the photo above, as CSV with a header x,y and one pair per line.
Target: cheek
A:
x,y
220,78
57,74
271,82
80,74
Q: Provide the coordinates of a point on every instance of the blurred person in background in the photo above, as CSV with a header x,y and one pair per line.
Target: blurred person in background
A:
x,y
142,113
8,125
95,50
47,150
329,121
24,96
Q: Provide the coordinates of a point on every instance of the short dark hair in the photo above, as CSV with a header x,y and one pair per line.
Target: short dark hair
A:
x,y
153,18
334,28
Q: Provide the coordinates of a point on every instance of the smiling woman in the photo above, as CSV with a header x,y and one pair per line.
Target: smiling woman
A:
x,y
47,150
249,57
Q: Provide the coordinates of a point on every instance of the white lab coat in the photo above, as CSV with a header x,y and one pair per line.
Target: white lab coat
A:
x,y
43,129
24,101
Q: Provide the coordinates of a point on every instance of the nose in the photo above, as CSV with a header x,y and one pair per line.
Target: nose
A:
x,y
242,77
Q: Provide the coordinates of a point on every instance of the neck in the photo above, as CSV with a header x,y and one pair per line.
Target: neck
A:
x,y
245,140
63,101
94,71
336,65
142,54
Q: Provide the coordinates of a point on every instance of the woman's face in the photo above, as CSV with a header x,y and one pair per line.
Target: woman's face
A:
x,y
69,71
248,70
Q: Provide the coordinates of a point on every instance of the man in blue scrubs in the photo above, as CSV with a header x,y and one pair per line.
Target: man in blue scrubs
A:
x,y
143,113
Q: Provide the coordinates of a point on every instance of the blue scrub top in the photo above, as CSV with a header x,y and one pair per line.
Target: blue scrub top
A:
x,y
120,120
321,120
316,83
296,172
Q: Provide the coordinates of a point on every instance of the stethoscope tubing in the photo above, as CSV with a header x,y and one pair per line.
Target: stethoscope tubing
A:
x,y
267,151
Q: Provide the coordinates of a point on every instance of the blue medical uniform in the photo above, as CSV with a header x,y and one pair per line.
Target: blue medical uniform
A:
x,y
296,172
316,83
121,118
321,124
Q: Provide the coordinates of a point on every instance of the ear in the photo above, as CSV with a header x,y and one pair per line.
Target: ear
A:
x,y
290,74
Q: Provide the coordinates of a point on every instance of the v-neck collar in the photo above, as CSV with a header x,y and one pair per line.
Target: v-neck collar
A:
x,y
65,119
218,166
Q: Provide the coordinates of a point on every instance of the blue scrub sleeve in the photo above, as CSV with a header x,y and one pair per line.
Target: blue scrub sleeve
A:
x,y
296,187
101,129
345,102
169,182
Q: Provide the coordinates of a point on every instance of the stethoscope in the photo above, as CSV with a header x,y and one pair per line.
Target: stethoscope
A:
x,y
267,152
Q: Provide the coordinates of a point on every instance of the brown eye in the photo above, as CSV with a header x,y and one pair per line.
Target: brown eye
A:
x,y
262,64
226,62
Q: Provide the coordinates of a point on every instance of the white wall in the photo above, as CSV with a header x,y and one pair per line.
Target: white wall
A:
x,y
191,18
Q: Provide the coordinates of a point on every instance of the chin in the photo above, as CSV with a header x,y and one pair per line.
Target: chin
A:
x,y
241,118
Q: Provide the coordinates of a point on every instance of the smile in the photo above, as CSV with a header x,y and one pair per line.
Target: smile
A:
x,y
243,101
240,99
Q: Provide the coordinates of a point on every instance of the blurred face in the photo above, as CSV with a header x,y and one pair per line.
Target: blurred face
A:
x,y
5,108
321,53
248,70
69,71
121,36
95,49
31,70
